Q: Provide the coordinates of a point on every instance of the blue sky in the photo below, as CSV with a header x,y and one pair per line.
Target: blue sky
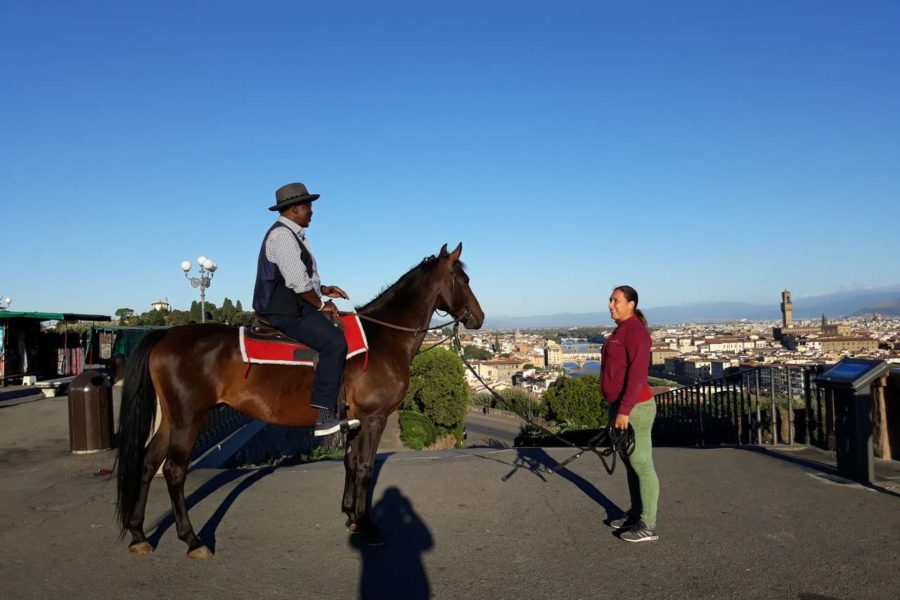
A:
x,y
695,150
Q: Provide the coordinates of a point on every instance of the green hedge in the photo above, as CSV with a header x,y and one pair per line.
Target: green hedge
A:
x,y
416,430
576,403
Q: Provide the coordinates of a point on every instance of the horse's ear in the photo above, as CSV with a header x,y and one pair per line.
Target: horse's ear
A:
x,y
443,251
454,256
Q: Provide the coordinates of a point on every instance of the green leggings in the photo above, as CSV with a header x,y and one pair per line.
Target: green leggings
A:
x,y
643,484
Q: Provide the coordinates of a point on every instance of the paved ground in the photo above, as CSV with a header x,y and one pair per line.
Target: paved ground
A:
x,y
459,524
494,430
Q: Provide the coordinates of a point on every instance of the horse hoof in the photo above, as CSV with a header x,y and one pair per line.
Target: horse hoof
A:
x,y
140,548
200,553
373,538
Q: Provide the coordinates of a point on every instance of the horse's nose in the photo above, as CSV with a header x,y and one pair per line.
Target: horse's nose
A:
x,y
475,321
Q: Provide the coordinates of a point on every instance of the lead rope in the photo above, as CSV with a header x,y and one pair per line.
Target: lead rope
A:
x,y
620,442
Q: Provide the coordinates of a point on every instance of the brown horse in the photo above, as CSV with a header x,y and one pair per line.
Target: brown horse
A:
x,y
194,367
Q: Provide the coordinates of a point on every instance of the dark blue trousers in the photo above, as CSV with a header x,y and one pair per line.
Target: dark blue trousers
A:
x,y
316,331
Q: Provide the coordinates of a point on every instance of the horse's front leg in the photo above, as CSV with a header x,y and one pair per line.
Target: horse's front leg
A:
x,y
351,467
369,435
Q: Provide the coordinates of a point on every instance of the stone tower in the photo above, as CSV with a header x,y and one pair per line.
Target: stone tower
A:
x,y
787,310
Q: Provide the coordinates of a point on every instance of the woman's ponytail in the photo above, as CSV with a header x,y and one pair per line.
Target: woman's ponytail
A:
x,y
640,315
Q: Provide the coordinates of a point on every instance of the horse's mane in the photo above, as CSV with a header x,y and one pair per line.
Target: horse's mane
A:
x,y
411,280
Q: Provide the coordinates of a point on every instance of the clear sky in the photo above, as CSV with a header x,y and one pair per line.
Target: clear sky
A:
x,y
695,150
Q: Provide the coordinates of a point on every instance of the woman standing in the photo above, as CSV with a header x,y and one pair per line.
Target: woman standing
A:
x,y
623,382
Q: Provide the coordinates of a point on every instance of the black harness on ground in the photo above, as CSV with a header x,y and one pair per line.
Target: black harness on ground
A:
x,y
616,441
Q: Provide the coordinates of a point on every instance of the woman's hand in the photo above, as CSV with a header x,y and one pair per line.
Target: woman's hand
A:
x,y
621,422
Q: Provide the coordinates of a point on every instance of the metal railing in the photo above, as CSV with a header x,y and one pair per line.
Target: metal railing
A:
x,y
759,405
221,421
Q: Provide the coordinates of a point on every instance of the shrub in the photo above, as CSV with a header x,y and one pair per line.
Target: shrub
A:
x,y
437,388
416,431
482,399
576,403
519,402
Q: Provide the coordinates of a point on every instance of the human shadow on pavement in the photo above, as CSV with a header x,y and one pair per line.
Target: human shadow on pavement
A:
x,y
539,462
208,531
395,569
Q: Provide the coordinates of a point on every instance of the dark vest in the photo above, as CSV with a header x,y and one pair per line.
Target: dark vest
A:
x,y
271,295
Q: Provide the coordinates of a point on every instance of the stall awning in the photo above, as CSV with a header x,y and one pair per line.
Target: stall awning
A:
x,y
49,316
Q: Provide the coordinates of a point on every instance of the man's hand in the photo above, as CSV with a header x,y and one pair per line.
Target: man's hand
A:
x,y
333,291
621,422
329,307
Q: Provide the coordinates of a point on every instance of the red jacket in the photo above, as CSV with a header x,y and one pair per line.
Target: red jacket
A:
x,y
625,365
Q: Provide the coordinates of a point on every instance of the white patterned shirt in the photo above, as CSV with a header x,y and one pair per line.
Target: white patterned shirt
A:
x,y
282,249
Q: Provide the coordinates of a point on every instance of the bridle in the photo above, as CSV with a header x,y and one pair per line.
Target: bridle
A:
x,y
466,313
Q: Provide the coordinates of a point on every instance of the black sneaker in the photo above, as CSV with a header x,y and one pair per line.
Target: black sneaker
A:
x,y
329,424
640,533
626,522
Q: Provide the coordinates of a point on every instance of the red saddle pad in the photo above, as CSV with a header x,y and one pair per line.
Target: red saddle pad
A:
x,y
295,353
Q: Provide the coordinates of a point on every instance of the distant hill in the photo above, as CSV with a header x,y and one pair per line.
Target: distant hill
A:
x,y
885,301
887,308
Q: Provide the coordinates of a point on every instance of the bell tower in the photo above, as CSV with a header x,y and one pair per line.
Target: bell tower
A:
x,y
787,310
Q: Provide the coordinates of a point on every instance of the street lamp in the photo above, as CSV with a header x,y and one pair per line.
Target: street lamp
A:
x,y
207,270
5,302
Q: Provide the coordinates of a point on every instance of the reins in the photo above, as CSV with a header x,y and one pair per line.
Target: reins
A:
x,y
454,322
392,326
620,442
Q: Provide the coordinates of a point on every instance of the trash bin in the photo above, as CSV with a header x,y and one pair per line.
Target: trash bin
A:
x,y
90,413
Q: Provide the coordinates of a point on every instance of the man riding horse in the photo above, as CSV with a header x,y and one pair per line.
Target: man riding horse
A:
x,y
289,296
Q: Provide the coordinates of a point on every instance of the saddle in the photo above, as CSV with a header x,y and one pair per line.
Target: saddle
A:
x,y
261,343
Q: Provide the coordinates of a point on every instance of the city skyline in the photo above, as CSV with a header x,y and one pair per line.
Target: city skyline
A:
x,y
700,153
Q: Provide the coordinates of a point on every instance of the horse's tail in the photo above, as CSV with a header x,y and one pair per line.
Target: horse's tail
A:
x,y
136,417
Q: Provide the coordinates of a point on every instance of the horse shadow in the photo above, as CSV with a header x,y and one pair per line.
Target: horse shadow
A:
x,y
208,532
395,569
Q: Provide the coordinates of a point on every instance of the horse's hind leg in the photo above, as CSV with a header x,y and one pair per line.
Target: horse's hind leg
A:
x,y
154,455
181,443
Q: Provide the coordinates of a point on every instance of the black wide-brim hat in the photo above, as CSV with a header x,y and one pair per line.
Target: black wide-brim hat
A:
x,y
291,194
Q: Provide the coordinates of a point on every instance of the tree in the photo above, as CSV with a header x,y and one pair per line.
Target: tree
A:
x,y
154,317
243,318
227,312
195,312
124,313
238,307
476,353
577,402
437,388
178,317
212,313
